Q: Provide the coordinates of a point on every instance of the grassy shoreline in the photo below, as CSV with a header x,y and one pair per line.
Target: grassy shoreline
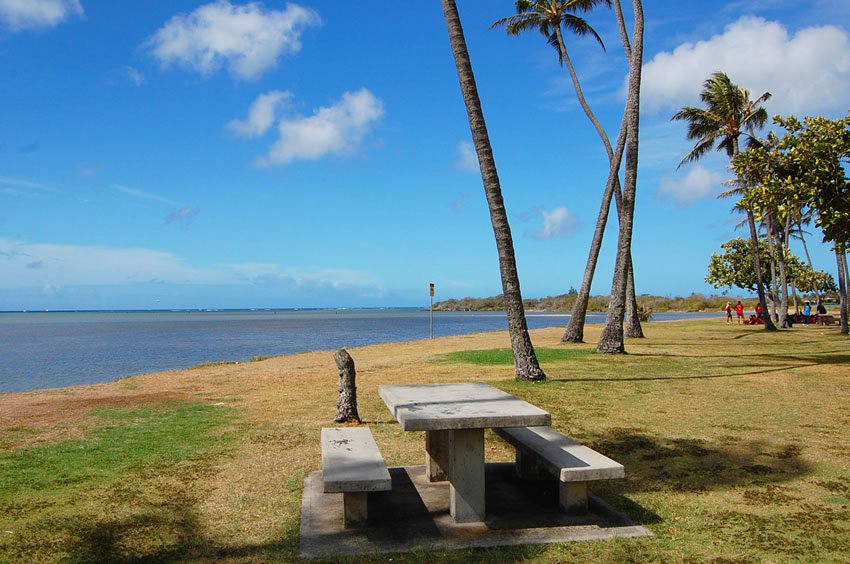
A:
x,y
734,442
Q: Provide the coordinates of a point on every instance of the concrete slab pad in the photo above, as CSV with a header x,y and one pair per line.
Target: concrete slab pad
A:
x,y
415,515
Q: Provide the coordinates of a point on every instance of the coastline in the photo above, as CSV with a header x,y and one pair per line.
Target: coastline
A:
x,y
46,350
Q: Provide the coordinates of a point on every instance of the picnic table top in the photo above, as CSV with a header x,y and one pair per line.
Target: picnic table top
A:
x,y
435,407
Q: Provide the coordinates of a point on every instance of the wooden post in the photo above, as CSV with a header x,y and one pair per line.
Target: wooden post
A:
x,y
346,407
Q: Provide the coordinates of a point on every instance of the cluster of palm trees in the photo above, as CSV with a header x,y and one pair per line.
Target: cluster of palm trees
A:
x,y
551,18
729,113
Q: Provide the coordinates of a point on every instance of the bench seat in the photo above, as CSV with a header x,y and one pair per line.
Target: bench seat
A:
x,y
353,465
573,464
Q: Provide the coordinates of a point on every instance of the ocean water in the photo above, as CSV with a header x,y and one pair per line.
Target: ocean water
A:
x,y
57,349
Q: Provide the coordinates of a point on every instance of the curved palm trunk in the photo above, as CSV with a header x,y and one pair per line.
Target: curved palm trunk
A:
x,y
808,256
575,328
574,332
621,25
525,360
754,241
611,340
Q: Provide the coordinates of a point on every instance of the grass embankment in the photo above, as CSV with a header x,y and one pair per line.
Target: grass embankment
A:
x,y
734,441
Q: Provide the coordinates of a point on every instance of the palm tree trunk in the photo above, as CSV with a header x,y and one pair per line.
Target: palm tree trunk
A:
x,y
754,240
841,259
633,327
575,329
808,256
574,332
525,360
611,340
621,25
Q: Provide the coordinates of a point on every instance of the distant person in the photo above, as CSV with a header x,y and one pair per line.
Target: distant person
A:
x,y
758,310
807,312
739,310
728,312
821,313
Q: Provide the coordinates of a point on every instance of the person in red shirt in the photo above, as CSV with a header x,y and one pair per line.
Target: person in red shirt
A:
x,y
739,311
758,310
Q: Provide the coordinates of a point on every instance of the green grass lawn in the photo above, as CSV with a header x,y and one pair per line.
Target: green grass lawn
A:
x,y
735,443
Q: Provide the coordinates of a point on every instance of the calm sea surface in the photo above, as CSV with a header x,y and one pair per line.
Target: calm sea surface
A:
x,y
57,349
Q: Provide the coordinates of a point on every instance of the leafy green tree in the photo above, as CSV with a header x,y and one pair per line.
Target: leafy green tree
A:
x,y
817,152
525,359
728,114
735,267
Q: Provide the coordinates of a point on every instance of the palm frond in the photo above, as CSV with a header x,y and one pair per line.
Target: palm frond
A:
x,y
579,26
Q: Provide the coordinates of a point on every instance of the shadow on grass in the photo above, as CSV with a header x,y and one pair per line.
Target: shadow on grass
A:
x,y
663,378
163,533
655,464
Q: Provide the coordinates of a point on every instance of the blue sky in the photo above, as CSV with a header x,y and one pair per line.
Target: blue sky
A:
x,y
191,154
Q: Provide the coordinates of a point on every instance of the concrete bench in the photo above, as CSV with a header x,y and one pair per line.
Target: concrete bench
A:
x,y
574,465
353,465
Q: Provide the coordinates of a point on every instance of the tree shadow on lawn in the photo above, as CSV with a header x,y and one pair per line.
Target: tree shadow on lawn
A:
x,y
656,464
162,533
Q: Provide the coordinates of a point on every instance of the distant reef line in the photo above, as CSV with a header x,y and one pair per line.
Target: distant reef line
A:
x,y
566,302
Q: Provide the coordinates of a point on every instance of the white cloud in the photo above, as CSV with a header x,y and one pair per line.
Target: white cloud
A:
x,y
806,72
35,14
262,114
698,184
558,223
248,39
467,158
336,129
61,265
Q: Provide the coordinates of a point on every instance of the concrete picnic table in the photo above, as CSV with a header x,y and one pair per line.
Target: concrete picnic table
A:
x,y
454,417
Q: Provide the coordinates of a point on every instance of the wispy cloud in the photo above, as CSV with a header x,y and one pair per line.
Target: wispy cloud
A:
x,y
467,158
808,71
183,217
52,267
20,15
87,170
262,114
247,39
17,186
460,204
336,129
134,75
142,195
43,264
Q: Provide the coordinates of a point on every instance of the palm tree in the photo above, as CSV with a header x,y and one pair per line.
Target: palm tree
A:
x,y
547,17
611,340
728,114
525,360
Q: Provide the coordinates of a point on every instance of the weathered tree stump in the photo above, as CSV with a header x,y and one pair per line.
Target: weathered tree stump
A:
x,y
346,407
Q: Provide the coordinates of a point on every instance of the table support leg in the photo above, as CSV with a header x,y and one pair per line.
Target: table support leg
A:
x,y
437,455
466,460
